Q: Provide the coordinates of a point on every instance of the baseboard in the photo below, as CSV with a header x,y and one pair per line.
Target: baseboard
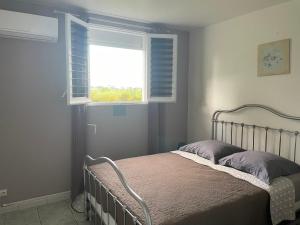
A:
x,y
33,202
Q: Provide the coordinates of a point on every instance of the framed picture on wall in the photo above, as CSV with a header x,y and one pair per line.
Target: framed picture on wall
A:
x,y
274,58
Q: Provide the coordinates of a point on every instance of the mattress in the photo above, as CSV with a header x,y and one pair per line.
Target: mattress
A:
x,y
295,178
108,219
178,192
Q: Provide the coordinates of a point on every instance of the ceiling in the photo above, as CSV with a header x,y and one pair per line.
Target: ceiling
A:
x,y
184,13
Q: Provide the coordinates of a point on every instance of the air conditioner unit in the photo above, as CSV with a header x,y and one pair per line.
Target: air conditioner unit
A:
x,y
28,26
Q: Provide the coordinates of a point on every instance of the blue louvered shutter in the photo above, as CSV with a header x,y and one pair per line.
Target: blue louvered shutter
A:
x,y
162,67
77,60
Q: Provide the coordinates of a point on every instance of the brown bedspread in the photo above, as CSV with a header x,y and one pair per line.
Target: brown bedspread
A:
x,y
179,191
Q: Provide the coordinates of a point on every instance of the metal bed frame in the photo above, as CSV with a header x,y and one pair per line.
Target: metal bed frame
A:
x,y
90,177
221,125
91,209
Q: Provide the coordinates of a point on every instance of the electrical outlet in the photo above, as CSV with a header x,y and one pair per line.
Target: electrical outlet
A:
x,y
3,193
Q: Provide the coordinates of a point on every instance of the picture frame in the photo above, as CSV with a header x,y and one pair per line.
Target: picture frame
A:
x,y
274,58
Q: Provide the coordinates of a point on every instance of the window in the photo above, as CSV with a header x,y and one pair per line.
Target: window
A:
x,y
113,66
117,66
116,74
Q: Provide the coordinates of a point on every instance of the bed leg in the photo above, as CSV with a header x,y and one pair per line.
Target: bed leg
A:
x,y
87,209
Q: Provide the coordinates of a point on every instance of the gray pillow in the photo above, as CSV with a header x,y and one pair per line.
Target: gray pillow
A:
x,y
211,149
265,166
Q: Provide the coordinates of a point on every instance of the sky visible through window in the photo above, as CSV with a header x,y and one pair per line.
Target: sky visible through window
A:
x,y
116,74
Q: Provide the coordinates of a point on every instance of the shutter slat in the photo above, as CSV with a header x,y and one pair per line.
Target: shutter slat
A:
x,y
161,81
162,77
161,48
162,59
159,63
160,70
163,45
81,57
79,71
162,65
158,86
158,79
162,40
78,50
163,53
76,78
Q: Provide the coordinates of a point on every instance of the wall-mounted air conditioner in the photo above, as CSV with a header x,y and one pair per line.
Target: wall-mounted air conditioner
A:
x,y
28,26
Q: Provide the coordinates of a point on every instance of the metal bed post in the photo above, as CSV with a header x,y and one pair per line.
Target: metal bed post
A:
x,y
95,200
231,129
90,200
141,202
107,205
253,137
266,138
295,147
242,134
115,209
124,214
101,202
222,130
85,193
280,141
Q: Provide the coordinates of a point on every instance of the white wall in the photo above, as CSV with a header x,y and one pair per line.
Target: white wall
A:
x,y
223,66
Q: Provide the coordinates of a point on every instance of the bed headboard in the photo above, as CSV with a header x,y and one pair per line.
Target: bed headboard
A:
x,y
256,136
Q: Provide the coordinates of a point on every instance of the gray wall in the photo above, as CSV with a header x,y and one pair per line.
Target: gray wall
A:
x,y
118,136
34,119
173,117
35,129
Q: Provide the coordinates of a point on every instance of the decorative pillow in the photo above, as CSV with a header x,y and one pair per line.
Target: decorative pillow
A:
x,y
265,166
211,149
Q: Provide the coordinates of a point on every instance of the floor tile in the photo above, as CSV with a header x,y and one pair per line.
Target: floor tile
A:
x,y
79,217
79,205
23,217
56,214
83,223
59,213
1,220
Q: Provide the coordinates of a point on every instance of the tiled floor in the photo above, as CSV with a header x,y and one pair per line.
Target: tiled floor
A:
x,y
59,213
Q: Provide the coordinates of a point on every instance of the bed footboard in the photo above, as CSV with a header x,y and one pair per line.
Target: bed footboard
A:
x,y
91,209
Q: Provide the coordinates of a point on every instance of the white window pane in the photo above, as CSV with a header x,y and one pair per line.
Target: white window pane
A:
x,y
116,74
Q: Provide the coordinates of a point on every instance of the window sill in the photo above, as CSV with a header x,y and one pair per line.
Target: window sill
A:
x,y
116,103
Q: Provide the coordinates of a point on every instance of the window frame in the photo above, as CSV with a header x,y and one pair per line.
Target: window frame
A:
x,y
143,35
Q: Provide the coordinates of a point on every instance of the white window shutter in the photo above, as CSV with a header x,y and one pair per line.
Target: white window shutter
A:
x,y
162,67
77,60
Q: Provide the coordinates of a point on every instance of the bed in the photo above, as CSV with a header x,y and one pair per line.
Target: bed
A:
x,y
173,189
